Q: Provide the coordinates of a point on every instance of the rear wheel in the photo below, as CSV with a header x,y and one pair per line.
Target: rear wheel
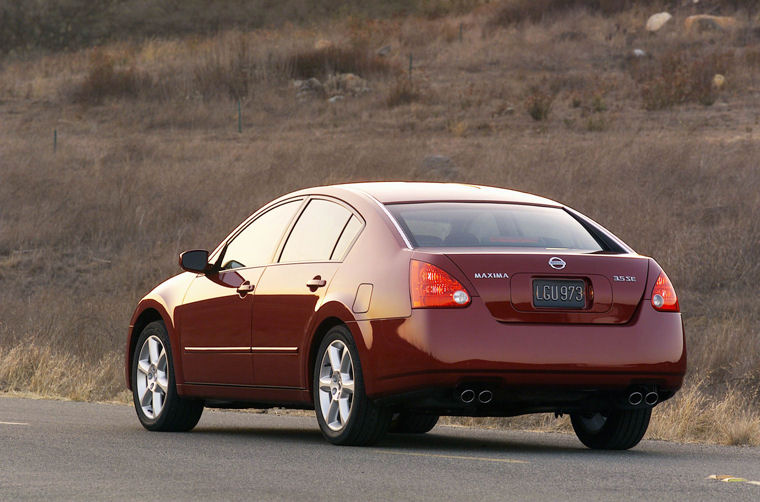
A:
x,y
154,392
413,423
345,414
615,430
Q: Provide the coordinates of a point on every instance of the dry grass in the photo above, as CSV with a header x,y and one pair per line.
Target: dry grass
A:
x,y
680,77
39,370
730,417
149,162
513,12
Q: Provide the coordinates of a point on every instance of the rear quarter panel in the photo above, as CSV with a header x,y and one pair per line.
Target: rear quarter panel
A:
x,y
379,258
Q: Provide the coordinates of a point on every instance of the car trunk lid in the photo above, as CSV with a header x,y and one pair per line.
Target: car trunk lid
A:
x,y
545,286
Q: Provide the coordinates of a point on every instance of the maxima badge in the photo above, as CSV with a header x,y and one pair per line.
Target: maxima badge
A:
x,y
556,263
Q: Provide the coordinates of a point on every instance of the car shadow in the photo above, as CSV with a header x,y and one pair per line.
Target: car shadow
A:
x,y
439,442
289,434
517,442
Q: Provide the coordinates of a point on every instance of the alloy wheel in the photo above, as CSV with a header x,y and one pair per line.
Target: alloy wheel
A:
x,y
336,385
152,377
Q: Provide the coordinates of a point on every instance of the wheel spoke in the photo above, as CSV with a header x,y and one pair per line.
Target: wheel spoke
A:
x,y
143,367
157,403
146,398
333,353
348,388
345,360
345,409
154,349
161,365
324,404
163,383
333,413
324,384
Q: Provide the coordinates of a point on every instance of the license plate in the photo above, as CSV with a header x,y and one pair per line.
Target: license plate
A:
x,y
559,294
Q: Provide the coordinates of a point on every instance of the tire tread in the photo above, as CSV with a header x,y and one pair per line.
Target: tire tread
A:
x,y
623,430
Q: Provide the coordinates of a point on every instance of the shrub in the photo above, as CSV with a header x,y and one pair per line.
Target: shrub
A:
x,y
539,103
229,71
681,77
597,103
596,123
518,11
402,92
107,79
319,63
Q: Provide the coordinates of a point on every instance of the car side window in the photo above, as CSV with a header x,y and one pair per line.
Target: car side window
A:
x,y
255,245
316,233
352,229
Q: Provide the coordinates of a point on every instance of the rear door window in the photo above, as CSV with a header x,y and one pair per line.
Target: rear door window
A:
x,y
353,227
316,233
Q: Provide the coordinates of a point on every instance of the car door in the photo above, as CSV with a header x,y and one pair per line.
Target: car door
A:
x,y
215,319
291,290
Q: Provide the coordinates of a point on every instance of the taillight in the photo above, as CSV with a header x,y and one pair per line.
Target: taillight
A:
x,y
664,296
432,287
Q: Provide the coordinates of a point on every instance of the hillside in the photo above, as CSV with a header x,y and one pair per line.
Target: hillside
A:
x,y
115,158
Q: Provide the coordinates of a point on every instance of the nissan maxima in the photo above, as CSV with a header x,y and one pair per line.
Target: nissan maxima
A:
x,y
383,306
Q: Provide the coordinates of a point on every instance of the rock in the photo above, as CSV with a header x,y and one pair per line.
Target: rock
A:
x,y
346,84
310,88
323,44
384,51
657,21
438,167
706,22
718,81
639,53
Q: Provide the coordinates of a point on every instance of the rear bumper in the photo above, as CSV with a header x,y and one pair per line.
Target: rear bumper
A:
x,y
439,350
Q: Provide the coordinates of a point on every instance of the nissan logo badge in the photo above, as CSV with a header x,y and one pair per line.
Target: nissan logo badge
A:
x,y
556,263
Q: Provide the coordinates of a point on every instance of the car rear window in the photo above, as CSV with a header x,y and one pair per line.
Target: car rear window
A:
x,y
482,224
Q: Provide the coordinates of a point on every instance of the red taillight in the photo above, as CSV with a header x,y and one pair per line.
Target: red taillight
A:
x,y
664,296
432,287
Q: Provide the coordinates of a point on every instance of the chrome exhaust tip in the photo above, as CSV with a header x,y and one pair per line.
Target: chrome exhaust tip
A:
x,y
467,396
485,396
635,398
651,398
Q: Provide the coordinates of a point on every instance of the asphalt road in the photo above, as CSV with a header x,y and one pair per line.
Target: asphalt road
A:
x,y
57,450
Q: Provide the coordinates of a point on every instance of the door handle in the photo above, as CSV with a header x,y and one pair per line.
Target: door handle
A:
x,y
245,288
315,283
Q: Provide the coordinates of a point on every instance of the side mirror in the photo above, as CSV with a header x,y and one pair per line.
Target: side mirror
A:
x,y
194,261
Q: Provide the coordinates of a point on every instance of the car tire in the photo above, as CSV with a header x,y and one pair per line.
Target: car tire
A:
x,y
345,414
413,423
154,391
615,430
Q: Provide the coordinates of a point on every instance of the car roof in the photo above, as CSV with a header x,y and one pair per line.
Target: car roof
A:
x,y
393,192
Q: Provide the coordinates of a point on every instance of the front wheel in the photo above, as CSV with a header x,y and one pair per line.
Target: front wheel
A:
x,y
345,415
615,430
154,392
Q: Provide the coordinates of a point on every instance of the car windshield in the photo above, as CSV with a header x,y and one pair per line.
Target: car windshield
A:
x,y
482,224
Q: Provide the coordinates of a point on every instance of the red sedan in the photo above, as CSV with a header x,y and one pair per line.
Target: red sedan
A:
x,y
385,305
